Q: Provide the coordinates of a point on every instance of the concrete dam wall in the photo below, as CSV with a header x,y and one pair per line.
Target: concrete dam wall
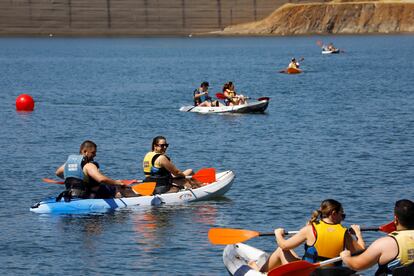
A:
x,y
128,17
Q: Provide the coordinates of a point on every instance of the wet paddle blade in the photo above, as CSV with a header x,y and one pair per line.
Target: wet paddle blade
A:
x,y
144,189
297,268
226,236
205,175
388,228
48,180
220,96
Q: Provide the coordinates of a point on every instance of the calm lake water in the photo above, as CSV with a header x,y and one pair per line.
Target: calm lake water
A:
x,y
344,129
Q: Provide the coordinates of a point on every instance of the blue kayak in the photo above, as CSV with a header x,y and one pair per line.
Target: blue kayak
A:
x,y
223,183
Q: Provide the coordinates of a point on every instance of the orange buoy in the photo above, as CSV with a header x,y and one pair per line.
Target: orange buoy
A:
x,y
24,102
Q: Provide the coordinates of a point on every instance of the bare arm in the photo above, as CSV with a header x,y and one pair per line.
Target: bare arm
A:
x,y
380,251
169,166
197,96
92,171
59,172
294,241
354,245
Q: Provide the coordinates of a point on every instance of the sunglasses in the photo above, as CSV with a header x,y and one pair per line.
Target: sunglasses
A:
x,y
163,145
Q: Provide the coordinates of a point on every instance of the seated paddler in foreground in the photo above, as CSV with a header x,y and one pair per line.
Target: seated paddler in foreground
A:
x,y
158,168
84,180
394,254
323,237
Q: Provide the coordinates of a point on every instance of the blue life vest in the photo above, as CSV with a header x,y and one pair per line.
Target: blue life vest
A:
x,y
74,167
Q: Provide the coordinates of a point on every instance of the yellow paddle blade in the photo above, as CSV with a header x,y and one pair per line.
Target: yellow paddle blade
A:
x,y
145,189
230,236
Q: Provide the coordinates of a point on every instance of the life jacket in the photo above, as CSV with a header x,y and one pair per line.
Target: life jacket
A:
x,y
293,65
329,242
161,176
229,97
74,178
405,257
201,99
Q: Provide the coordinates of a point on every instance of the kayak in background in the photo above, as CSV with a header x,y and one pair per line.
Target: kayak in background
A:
x,y
222,184
291,71
328,52
255,106
237,256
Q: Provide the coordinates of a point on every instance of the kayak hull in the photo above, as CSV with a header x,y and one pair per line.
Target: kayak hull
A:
x,y
327,52
250,107
237,256
220,187
293,71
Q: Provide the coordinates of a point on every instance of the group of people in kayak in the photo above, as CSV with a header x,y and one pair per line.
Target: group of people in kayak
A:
x,y
229,95
83,179
325,238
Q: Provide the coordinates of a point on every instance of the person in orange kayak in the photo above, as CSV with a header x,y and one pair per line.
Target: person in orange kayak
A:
x,y
158,168
294,64
83,178
231,96
324,238
393,252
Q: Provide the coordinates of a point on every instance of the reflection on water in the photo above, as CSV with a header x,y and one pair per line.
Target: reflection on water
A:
x,y
153,225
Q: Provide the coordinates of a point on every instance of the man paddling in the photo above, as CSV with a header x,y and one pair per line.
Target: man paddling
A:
x,y
83,178
394,252
201,97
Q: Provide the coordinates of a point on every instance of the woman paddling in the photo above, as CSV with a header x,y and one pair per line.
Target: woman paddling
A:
x,y
324,238
159,168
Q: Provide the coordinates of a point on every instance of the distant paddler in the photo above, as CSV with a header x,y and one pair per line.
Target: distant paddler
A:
x,y
293,67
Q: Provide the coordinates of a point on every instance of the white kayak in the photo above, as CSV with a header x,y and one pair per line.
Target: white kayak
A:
x,y
223,183
237,256
328,52
256,106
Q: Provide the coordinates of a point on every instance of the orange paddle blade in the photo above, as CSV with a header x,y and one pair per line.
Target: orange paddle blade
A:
x,y
144,189
205,175
130,181
297,268
48,180
226,236
388,228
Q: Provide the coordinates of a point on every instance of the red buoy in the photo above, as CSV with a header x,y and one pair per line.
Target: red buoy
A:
x,y
24,102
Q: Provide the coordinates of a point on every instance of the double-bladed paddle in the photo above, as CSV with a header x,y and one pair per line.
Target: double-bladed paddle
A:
x,y
146,188
222,97
299,268
125,181
231,236
226,236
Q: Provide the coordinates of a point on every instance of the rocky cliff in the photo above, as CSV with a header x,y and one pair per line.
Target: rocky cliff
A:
x,y
334,17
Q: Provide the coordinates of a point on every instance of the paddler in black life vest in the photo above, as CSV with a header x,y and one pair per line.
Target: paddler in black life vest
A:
x,y
324,238
83,178
159,168
394,253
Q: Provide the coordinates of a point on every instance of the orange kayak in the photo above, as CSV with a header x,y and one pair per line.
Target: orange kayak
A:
x,y
293,71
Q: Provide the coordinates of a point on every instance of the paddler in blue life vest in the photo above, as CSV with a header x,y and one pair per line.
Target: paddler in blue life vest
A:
x,y
324,238
394,252
158,167
83,178
201,97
